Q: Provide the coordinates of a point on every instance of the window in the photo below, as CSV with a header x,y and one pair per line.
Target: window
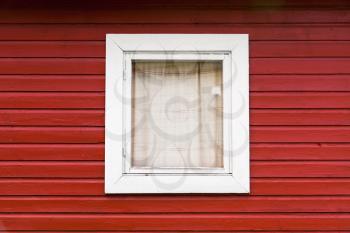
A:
x,y
177,113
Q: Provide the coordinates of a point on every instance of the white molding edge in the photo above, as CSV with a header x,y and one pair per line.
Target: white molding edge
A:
x,y
117,182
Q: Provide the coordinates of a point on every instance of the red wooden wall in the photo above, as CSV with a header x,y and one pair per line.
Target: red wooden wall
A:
x,y
52,117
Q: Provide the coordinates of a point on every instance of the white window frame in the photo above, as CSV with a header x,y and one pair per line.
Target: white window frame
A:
x,y
232,50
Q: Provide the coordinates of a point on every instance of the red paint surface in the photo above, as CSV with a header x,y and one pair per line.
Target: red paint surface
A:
x,y
52,117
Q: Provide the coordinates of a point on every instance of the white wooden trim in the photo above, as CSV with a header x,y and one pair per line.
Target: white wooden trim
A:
x,y
177,184
233,51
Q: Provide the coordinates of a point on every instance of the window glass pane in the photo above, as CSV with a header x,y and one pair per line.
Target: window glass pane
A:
x,y
177,114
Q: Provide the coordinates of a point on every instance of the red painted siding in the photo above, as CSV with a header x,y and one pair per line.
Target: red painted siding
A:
x,y
52,117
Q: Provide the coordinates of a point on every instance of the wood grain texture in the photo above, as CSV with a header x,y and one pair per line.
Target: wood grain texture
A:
x,y
52,66
52,83
295,32
292,82
56,117
174,204
95,100
299,66
301,100
300,134
96,134
171,15
204,231
96,49
299,117
51,134
52,109
95,187
157,4
83,169
10,100
176,222
95,152
300,151
52,117
58,83
57,152
96,66
166,231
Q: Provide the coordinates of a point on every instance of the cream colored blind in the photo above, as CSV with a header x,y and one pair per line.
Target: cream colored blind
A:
x,y
177,114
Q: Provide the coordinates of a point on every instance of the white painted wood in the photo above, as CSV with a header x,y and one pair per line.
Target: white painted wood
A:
x,y
233,51
177,184
113,116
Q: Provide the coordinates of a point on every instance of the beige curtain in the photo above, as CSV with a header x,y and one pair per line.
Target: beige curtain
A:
x,y
177,114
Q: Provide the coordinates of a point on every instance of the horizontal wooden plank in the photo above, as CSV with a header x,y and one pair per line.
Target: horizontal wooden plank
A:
x,y
85,152
94,66
97,82
231,231
300,151
79,187
299,66
51,100
259,100
204,231
51,134
300,134
52,117
172,15
134,4
300,169
69,49
299,117
180,222
83,169
96,117
300,186
259,186
52,83
52,66
79,169
258,151
299,48
299,100
292,82
43,32
142,231
53,49
177,204
96,134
